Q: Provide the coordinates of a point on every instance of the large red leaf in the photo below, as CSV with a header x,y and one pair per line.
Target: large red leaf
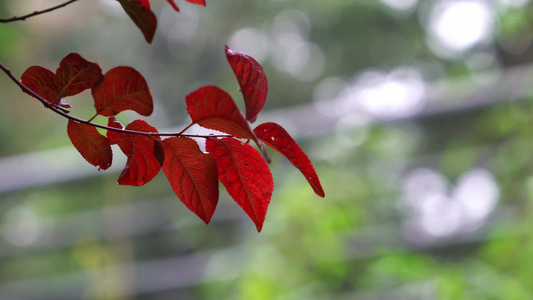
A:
x,y
213,108
245,175
75,74
41,81
122,88
279,139
93,146
142,165
252,80
192,175
142,16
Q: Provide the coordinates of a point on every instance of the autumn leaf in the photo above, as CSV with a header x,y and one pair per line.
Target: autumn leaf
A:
x,y
92,145
277,138
143,17
42,82
192,175
122,88
213,108
142,164
75,74
252,81
246,176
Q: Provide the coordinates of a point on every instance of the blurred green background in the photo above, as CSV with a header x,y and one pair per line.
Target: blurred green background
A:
x,y
416,115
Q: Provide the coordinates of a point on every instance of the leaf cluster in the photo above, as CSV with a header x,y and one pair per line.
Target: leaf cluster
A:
x,y
192,173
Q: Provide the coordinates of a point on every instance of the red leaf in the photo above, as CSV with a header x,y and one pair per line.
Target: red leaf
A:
x,y
141,14
245,175
41,81
279,139
252,80
213,108
122,88
142,165
93,146
75,75
192,175
199,2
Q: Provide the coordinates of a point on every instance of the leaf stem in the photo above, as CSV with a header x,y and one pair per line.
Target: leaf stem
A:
x,y
185,129
91,119
65,113
37,12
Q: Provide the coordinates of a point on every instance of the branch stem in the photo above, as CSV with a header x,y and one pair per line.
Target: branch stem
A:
x,y
185,129
37,12
62,112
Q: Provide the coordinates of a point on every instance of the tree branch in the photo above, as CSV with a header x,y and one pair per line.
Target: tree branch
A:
x,y
62,112
35,13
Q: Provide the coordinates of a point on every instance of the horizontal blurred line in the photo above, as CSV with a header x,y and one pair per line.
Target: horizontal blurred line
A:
x,y
132,220
150,276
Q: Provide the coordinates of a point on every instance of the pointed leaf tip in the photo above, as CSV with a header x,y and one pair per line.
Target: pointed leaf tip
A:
x,y
140,13
192,175
252,81
276,137
93,146
246,176
142,165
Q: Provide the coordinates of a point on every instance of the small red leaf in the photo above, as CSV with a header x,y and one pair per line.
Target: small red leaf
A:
x,y
41,81
122,88
245,175
192,175
142,16
93,146
213,108
199,2
75,75
142,165
252,80
279,139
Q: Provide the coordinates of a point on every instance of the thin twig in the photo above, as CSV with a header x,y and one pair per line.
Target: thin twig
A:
x,y
37,12
61,111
